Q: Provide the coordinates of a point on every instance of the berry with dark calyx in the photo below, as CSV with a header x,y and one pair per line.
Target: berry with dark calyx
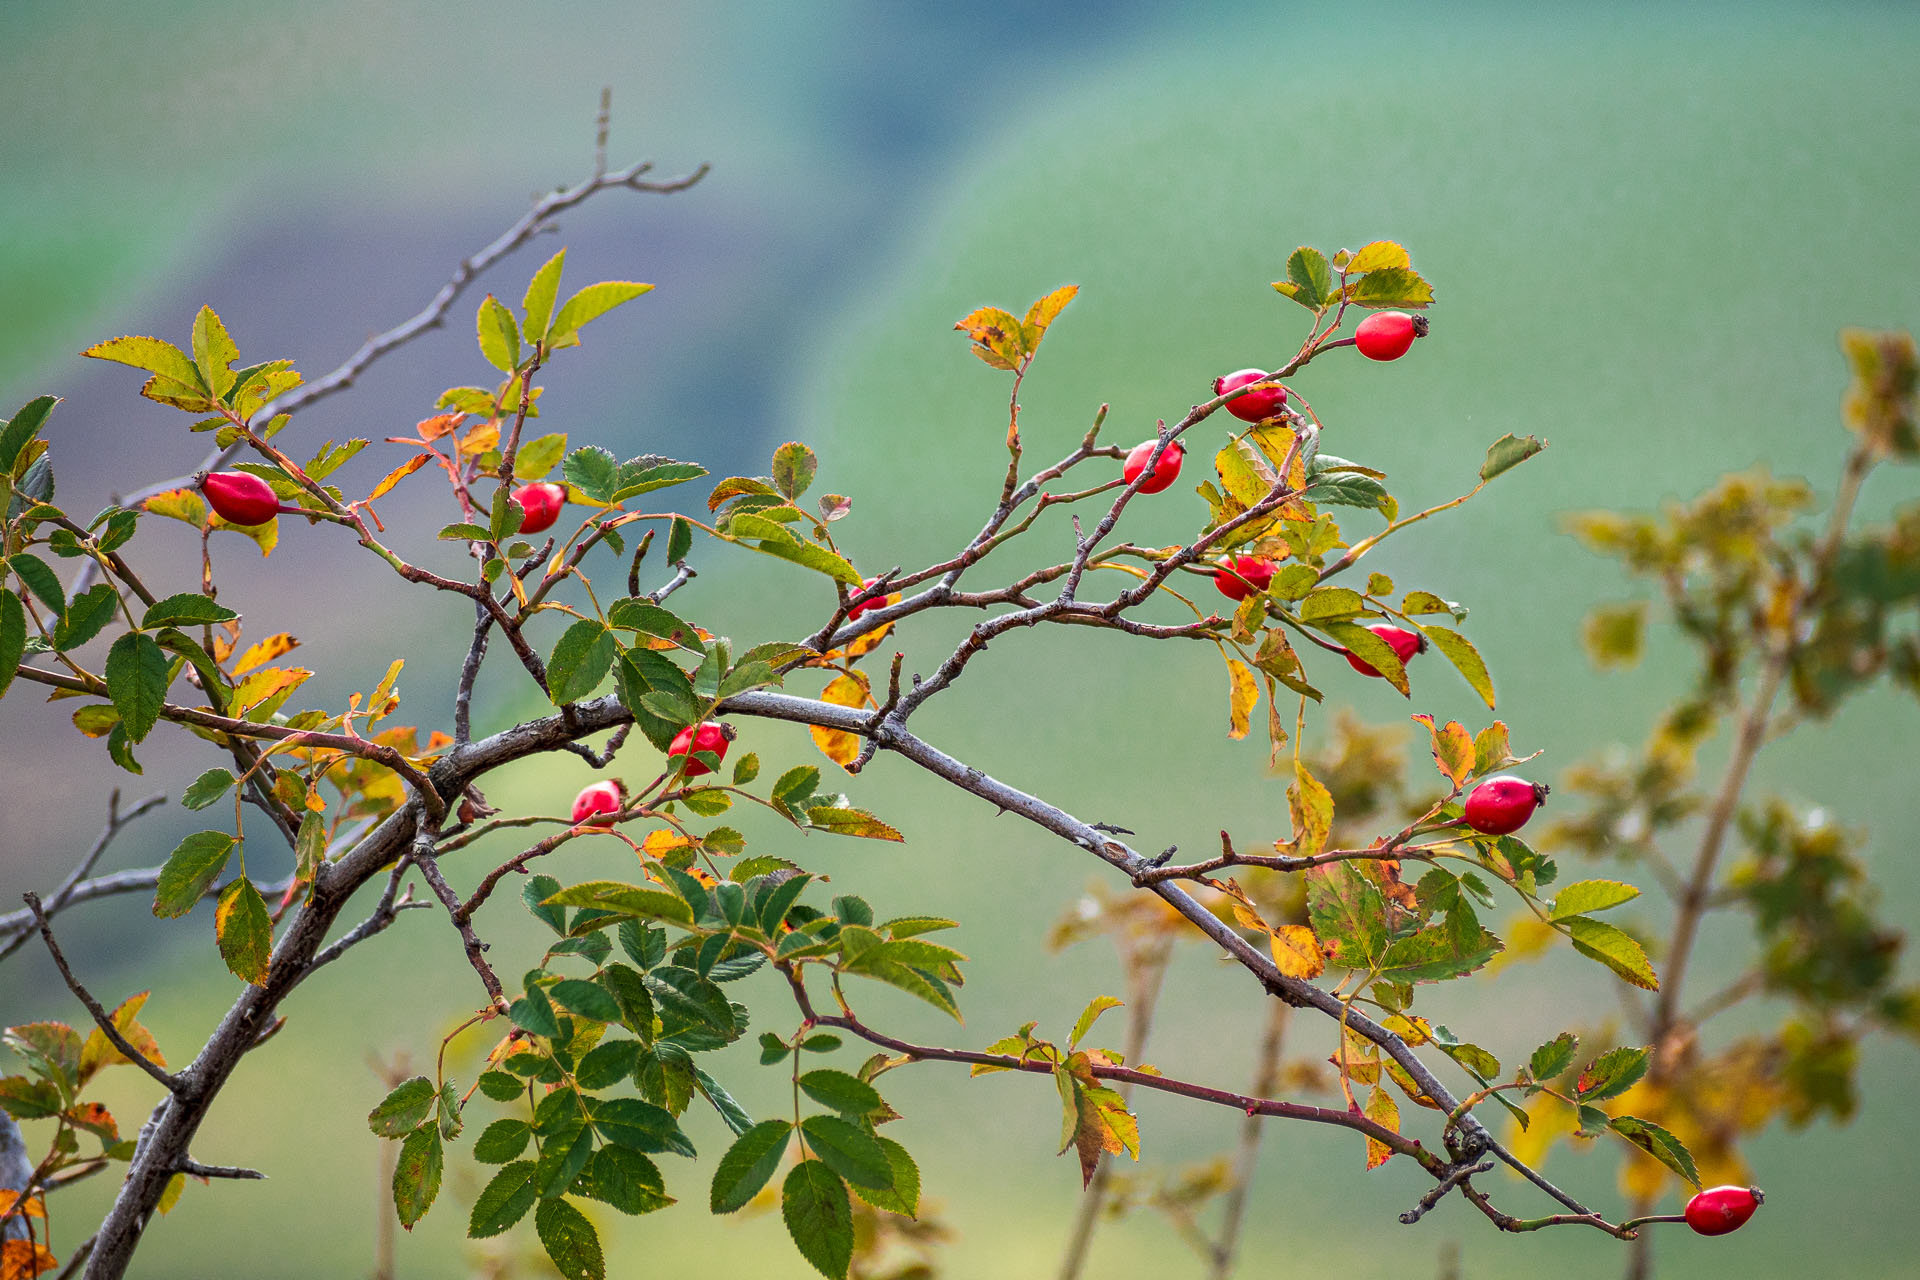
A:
x,y
868,605
1165,471
1256,405
1405,644
1718,1210
1386,335
541,503
1502,805
597,803
1257,572
711,736
240,498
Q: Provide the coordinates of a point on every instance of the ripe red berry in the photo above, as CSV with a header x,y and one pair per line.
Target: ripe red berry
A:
x,y
1386,335
1502,805
1405,644
541,503
240,498
1254,406
1165,471
597,803
1718,1210
1257,570
711,736
867,606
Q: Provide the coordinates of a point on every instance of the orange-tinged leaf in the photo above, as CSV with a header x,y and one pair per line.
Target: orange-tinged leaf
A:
x,y
398,474
1297,951
441,424
12,1204
95,1119
863,645
265,651
840,747
1382,1110
1452,749
98,1051
1243,694
659,844
265,685
22,1260
997,337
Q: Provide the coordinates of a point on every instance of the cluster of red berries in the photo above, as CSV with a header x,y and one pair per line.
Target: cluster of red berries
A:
x,y
598,802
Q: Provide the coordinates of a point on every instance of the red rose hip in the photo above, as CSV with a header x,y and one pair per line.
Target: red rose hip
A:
x,y
240,498
598,802
1165,471
1386,335
711,736
541,504
868,605
1718,1210
1257,405
1256,570
1405,644
1502,805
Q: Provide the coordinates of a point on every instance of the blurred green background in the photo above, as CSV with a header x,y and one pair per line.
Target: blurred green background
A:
x,y
1644,226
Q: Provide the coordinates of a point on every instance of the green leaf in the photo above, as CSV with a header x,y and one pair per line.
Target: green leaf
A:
x,y
628,900
1309,278
136,682
687,1000
535,893
1464,657
903,1196
1346,910
570,1240
244,932
503,1201
469,532
747,1165
152,354
499,336
819,1217
580,661
631,481
1612,1074
13,637
539,455
1089,1015
1658,1143
502,1140
849,1095
625,1179
189,609
1331,602
533,1013
679,539
844,821
214,352
588,999
206,788
40,580
1508,452
1437,953
416,1175
23,427
404,1109
1598,940
501,1087
629,1122
537,305
1553,1057
189,870
793,468
593,471
1583,896
774,539
1391,287
649,619
590,304
87,615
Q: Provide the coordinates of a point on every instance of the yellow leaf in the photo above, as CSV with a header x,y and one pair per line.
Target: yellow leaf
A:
x,y
1312,807
841,748
265,685
1383,1111
1452,749
480,437
1381,253
1042,313
659,844
265,651
398,474
98,1052
1297,951
998,338
266,536
179,504
440,424
12,1204
1243,695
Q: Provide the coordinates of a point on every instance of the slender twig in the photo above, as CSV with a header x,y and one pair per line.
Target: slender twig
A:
x,y
22,921
101,1017
385,912
423,857
194,1168
469,673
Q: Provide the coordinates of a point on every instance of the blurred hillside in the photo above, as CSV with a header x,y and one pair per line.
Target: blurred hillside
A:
x,y
1645,229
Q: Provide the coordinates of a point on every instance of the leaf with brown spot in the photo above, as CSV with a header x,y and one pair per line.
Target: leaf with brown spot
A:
x,y
998,338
